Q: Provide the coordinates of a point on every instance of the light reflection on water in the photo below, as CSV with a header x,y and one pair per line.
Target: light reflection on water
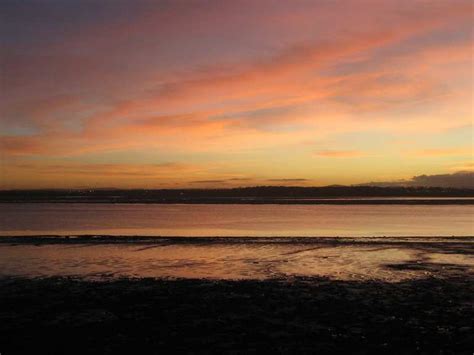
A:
x,y
237,220
240,260
383,259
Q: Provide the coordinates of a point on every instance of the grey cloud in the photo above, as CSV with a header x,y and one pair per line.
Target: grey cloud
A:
x,y
209,182
287,180
461,179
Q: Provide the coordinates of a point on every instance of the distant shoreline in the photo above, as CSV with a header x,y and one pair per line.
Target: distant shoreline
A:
x,y
331,195
246,201
166,240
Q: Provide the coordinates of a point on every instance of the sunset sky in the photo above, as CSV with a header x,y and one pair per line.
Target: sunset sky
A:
x,y
224,93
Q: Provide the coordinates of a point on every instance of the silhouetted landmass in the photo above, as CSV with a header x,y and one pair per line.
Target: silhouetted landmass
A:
x,y
460,179
294,316
255,195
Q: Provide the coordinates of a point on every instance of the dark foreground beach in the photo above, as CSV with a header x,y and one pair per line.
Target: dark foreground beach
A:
x,y
296,315
382,295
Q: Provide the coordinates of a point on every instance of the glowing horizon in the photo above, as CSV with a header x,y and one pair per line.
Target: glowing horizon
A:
x,y
160,94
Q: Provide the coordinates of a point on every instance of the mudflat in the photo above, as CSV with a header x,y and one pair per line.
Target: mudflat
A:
x,y
293,315
389,259
79,295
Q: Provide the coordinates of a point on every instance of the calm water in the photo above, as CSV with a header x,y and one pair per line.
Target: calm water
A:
x,y
244,257
237,220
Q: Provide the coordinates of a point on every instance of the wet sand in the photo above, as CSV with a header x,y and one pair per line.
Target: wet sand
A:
x,y
399,295
97,257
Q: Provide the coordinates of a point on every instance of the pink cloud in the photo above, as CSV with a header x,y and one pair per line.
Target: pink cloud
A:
x,y
263,79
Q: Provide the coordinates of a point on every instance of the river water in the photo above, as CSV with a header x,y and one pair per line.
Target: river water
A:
x,y
236,220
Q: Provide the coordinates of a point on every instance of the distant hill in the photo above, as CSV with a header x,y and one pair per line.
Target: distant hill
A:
x,y
258,194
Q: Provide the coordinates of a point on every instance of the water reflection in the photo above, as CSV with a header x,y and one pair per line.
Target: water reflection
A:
x,y
392,260
237,220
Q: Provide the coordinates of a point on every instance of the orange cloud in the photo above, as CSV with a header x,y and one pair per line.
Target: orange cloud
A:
x,y
21,145
339,153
